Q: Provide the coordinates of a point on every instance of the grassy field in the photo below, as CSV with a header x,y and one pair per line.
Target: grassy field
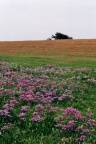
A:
x,y
76,53
48,96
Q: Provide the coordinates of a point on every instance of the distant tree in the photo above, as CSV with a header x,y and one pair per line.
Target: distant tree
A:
x,y
59,35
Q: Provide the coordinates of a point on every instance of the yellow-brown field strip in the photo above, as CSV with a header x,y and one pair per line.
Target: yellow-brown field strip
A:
x,y
49,48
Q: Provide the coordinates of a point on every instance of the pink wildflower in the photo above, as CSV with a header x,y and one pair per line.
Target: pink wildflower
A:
x,y
37,118
24,108
21,115
82,138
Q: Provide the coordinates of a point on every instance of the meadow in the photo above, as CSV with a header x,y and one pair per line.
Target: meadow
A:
x,y
48,92
75,53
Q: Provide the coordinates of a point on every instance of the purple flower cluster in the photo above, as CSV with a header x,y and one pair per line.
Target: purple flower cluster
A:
x,y
32,94
4,112
82,138
84,70
63,97
72,120
6,127
73,113
36,118
69,126
24,108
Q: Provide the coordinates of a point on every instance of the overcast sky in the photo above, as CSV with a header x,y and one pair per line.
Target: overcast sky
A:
x,y
39,19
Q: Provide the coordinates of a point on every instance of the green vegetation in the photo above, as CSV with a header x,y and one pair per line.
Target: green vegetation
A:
x,y
47,104
47,94
66,61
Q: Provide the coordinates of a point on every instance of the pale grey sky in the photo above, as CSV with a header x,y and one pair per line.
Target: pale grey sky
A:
x,y
39,19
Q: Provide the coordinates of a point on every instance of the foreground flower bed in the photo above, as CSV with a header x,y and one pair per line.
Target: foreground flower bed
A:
x,y
47,105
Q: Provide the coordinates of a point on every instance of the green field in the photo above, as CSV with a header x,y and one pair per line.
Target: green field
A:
x,y
48,92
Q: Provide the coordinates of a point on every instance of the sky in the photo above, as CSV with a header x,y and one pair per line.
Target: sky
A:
x,y
39,19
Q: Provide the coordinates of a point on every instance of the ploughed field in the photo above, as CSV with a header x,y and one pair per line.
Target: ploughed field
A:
x,y
77,53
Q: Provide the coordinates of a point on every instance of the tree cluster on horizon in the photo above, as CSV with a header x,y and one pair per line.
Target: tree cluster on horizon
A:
x,y
59,35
